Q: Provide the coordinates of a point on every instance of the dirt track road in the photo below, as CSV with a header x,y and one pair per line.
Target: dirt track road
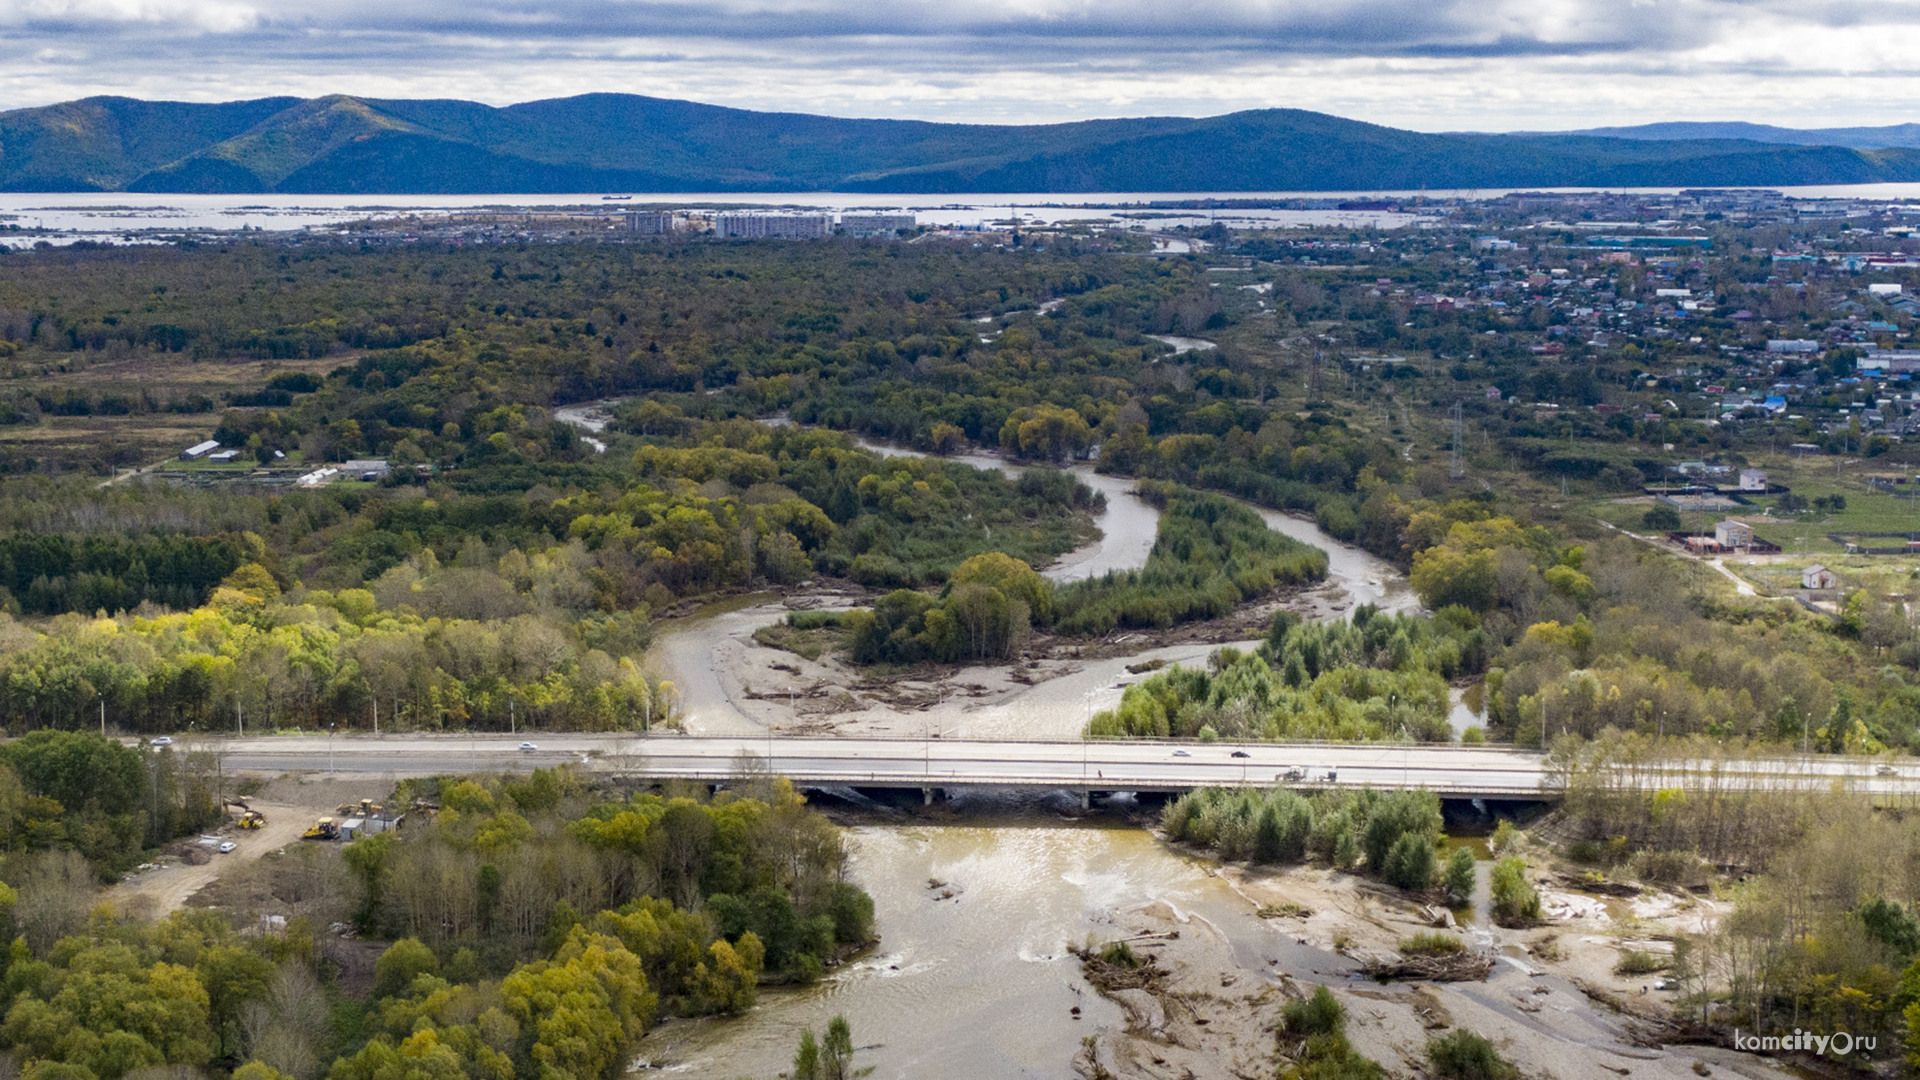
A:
x,y
168,888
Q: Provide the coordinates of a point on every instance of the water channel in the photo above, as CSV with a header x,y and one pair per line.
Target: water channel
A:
x,y
975,908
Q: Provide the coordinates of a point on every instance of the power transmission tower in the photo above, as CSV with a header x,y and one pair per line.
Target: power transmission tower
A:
x,y
1459,471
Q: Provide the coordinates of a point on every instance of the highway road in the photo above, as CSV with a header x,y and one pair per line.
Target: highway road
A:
x,y
953,763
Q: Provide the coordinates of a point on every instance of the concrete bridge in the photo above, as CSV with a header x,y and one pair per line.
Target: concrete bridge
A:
x,y
933,764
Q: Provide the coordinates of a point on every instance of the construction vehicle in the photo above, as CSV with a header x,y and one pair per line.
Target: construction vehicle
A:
x,y
364,808
252,819
323,829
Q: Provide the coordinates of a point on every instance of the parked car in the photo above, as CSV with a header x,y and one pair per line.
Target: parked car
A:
x,y
528,746
162,741
227,847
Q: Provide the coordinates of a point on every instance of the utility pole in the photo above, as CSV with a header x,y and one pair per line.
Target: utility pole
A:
x,y
103,716
239,716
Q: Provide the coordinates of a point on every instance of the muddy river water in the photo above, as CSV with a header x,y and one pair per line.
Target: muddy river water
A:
x,y
980,984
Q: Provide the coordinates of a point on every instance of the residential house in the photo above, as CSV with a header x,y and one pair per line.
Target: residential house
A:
x,y
1818,577
1735,535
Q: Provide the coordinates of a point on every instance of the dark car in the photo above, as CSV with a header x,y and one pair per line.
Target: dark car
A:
x,y
1240,753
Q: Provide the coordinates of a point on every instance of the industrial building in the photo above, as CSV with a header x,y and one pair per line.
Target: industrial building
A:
x,y
877,224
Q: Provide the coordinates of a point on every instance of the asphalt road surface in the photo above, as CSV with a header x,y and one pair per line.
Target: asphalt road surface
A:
x,y
1093,765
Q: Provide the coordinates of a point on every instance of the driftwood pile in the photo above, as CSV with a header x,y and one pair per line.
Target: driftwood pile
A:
x,y
1464,966
1108,977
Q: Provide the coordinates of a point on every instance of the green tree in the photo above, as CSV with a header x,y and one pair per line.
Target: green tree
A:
x,y
402,962
1661,518
1460,875
1515,903
1410,863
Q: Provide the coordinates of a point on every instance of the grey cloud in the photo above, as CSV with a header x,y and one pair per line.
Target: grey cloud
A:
x,y
941,59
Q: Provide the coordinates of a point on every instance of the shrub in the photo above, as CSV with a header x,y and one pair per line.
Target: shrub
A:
x,y
1319,1014
1661,518
1639,962
1431,943
1515,903
1462,1055
1669,867
1505,838
1459,875
1119,954
813,620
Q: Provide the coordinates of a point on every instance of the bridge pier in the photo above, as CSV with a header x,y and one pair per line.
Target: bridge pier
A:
x,y
926,796
1086,799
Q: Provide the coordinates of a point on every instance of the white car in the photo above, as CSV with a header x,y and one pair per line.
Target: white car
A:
x,y
1181,753
162,741
528,746
227,847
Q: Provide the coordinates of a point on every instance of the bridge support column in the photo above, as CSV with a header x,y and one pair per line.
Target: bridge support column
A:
x,y
1086,800
926,796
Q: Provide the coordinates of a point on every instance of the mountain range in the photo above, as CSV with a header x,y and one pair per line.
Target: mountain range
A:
x,y
624,142
1859,138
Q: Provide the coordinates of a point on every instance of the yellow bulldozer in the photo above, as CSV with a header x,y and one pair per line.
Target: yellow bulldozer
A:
x,y
251,819
323,829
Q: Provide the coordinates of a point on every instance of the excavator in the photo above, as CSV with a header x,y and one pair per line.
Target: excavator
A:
x,y
323,829
251,819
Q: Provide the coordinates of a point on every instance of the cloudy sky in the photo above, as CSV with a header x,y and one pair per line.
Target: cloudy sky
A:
x,y
1433,65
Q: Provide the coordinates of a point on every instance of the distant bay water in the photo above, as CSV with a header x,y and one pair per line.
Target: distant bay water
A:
x,y
127,216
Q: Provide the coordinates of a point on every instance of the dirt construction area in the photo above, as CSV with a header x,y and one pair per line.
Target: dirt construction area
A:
x,y
290,804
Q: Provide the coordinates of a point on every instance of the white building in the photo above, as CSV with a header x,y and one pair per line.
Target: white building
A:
x,y
1733,534
784,226
1818,577
1753,480
199,450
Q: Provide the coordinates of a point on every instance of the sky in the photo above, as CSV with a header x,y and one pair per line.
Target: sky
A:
x,y
1430,65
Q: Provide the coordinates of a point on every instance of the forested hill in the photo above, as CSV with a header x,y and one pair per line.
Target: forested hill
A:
x,y
621,142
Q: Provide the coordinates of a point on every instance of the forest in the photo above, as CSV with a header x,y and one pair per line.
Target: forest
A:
x,y
506,565
536,927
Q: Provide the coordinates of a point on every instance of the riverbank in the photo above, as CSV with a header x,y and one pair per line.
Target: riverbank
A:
x,y
978,902
730,683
